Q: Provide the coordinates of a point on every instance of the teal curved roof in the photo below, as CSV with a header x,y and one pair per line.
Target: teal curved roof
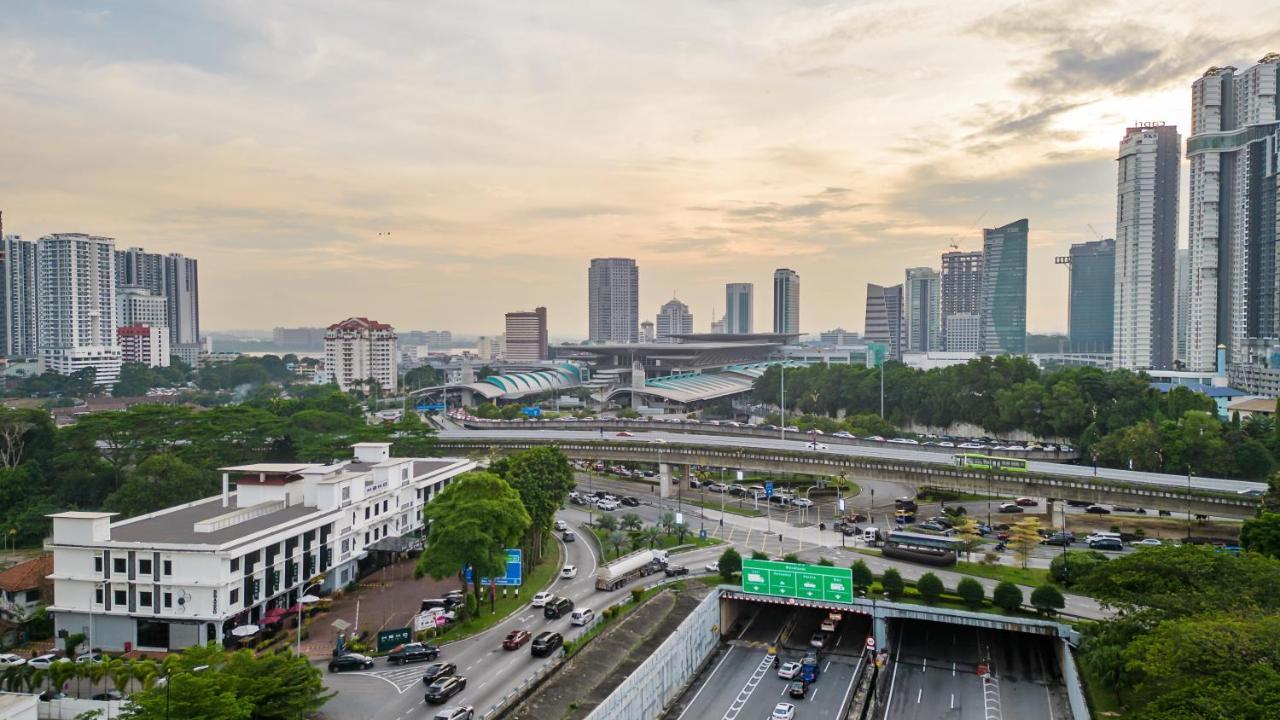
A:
x,y
515,384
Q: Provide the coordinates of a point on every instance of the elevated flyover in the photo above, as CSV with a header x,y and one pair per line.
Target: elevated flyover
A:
x,y
1212,497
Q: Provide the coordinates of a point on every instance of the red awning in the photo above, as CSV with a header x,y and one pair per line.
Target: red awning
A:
x,y
272,616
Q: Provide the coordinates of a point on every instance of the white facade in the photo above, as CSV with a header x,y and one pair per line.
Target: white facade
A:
x,y
922,310
140,306
1233,155
144,344
1145,249
20,298
358,349
77,312
189,574
526,337
673,318
963,333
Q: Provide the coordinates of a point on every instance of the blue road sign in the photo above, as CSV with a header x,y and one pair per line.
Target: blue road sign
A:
x,y
515,571
532,411
702,533
768,489
427,407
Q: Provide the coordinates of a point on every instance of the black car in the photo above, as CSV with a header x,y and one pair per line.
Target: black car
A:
x,y
445,688
412,652
630,501
1097,510
906,503
1079,503
546,643
568,536
797,689
737,491
1061,539
557,608
674,570
350,661
435,671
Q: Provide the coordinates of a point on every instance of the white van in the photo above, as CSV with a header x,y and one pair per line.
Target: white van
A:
x,y
871,535
582,616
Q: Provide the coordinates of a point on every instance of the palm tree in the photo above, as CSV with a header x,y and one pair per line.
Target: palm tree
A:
x,y
145,672
121,673
95,671
632,521
60,674
35,679
14,677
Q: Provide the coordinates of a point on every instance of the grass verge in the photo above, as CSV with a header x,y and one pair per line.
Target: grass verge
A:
x,y
1102,702
664,542
541,577
1031,577
729,507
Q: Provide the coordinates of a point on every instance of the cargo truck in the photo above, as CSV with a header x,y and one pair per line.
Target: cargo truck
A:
x,y
629,567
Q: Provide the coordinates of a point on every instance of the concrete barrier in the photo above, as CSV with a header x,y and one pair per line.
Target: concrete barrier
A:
x,y
68,708
647,691
1071,678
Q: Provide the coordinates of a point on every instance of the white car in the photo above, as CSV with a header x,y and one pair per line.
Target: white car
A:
x,y
44,662
903,441
789,670
1147,542
560,525
971,446
607,505
843,434
783,711
802,502
11,660
656,441
709,567
815,446
542,598
92,657
569,572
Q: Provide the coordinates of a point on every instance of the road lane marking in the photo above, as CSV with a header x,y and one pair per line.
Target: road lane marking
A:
x,y
924,665
747,690
919,694
894,677
953,702
705,684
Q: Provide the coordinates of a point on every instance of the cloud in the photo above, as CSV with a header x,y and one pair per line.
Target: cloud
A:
x,y
571,212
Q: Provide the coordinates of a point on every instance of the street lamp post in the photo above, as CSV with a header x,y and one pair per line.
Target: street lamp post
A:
x,y
302,595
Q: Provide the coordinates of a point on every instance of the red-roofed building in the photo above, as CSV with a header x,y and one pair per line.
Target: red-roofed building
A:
x,y
25,587
145,344
358,350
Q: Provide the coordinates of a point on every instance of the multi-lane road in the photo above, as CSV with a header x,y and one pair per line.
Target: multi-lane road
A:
x,y
889,452
397,693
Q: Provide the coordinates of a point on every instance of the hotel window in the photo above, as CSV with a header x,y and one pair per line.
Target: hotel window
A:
x,y
97,596
120,597
144,599
97,564
144,567
235,597
120,565
168,567
168,600
235,564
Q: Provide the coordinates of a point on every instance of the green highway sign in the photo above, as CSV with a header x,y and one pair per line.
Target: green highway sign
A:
x,y
793,580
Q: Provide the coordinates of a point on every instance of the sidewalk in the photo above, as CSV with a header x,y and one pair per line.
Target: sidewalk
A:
x,y
387,598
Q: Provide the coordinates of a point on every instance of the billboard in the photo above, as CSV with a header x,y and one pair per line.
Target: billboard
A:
x,y
793,580
515,571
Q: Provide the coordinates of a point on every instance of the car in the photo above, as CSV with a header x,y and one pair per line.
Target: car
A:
x,y
712,567
783,711
1079,503
674,570
607,505
843,434
11,660
90,657
1097,510
412,652
546,643
50,695
946,444
815,446
789,670
569,572
561,525
1009,508
455,596
930,525
903,441
1124,508
1106,544
542,598
435,671
445,688
1147,542
624,433
516,639
970,446
797,689
819,639
45,661
557,608
656,441
568,536
346,661
1061,539
460,712
109,695
630,501
802,502
905,503
582,616
1027,502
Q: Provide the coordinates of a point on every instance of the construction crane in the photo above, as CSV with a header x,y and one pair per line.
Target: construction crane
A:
x,y
955,245
1095,232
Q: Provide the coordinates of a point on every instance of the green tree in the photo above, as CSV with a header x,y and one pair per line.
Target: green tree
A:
x,y
162,480
1070,567
862,576
1047,599
1262,534
930,588
1007,596
730,564
892,583
791,558
971,592
757,555
617,540
543,477
1172,582
193,696
1024,538
1173,651
1247,693
608,523
631,521
412,438
472,522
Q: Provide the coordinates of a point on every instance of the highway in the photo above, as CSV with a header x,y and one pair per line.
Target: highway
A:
x,y
888,452
391,693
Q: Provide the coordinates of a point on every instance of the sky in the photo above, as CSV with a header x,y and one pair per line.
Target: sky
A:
x,y
437,164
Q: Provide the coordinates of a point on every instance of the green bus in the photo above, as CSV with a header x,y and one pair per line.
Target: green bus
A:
x,y
971,461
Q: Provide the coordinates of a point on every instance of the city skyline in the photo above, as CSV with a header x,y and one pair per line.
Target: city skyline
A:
x,y
710,186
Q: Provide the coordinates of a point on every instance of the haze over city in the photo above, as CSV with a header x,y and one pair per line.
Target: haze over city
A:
x,y
439,165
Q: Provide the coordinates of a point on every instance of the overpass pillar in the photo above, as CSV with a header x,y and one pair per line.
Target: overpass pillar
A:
x,y
1055,520
879,629
664,480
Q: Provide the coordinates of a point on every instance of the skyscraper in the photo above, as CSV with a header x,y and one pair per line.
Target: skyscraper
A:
x,y
1182,305
961,294
884,318
1090,292
527,336
786,301
922,312
358,350
1145,246
139,306
613,296
19,283
739,307
76,312
1003,311
673,318
173,276
1232,219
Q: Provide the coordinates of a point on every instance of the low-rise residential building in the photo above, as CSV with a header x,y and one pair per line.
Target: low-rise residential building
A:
x,y
24,588
190,574
1247,407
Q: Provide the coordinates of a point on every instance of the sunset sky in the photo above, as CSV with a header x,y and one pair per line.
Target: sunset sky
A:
x,y
436,164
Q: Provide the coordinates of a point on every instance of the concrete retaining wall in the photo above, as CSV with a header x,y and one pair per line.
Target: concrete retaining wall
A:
x,y
1071,678
646,692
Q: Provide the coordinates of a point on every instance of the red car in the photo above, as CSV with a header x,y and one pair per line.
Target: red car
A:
x,y
1027,502
515,639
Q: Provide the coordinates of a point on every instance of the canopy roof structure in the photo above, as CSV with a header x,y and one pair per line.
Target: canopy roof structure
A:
x,y
515,385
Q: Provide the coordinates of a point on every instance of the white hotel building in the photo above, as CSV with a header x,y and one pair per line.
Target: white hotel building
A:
x,y
189,574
